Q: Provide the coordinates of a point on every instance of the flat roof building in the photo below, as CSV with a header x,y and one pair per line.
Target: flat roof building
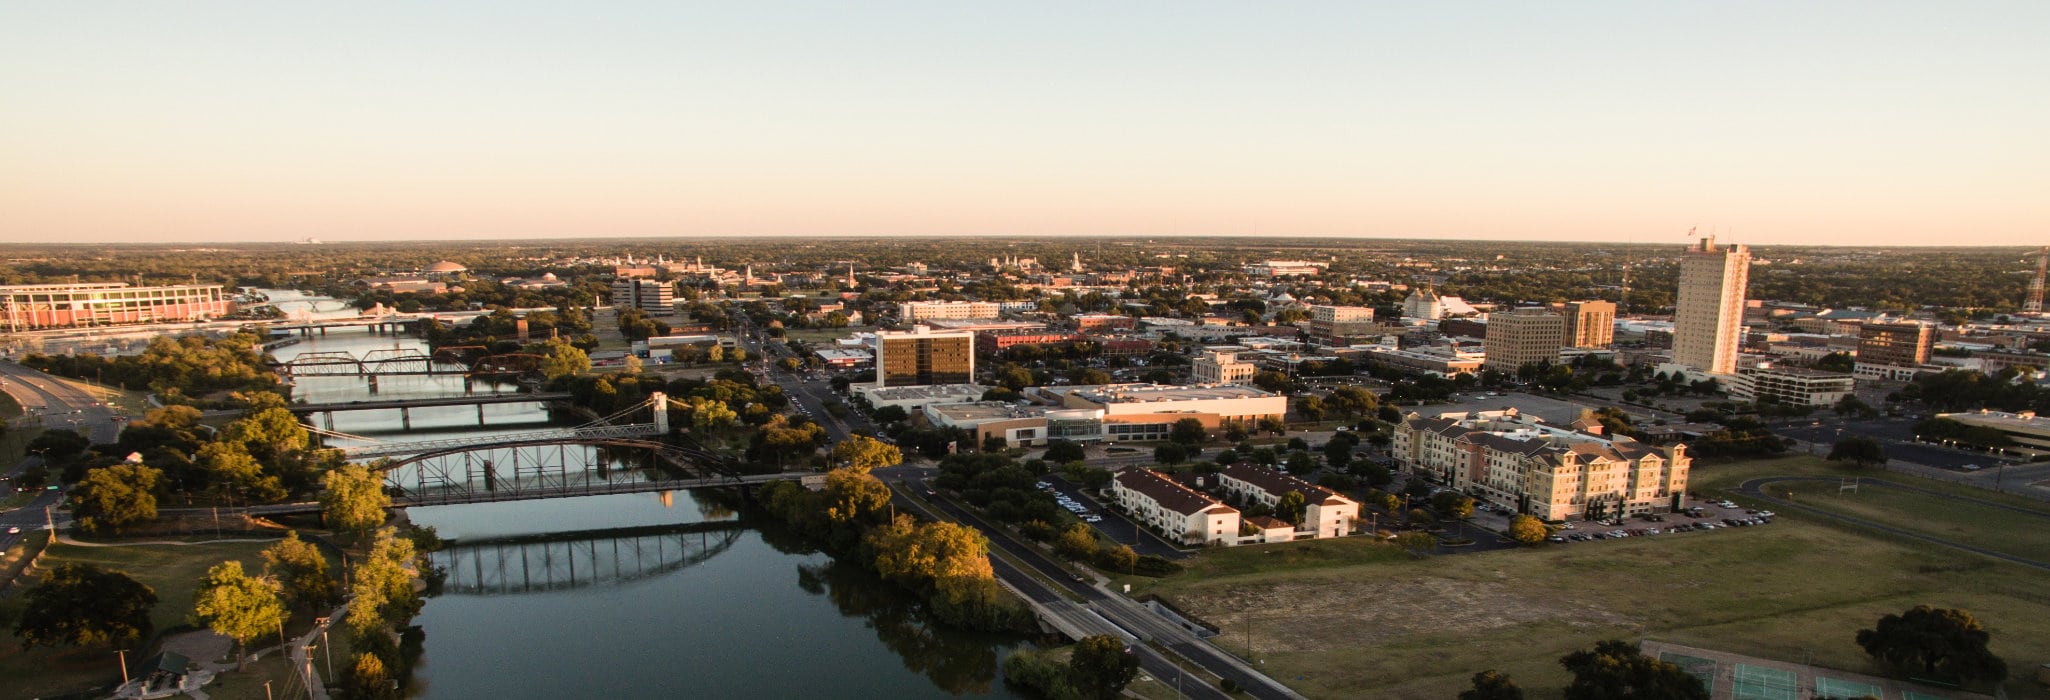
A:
x,y
922,356
1708,319
911,311
1523,336
33,306
1590,324
1798,386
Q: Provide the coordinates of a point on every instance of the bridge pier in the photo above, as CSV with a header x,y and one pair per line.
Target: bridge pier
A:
x,y
406,418
480,415
372,378
329,419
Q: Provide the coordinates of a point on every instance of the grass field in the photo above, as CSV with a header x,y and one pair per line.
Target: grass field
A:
x,y
1974,524
1355,618
174,572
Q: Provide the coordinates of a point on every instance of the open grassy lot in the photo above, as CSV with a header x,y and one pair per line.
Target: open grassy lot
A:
x,y
173,571
1355,618
1964,522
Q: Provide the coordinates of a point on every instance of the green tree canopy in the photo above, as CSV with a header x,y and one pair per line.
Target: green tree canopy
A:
x,y
83,605
560,359
1064,451
1934,642
115,497
268,432
1290,507
1454,505
1101,666
1615,670
301,571
237,605
1860,451
1188,431
1076,543
354,499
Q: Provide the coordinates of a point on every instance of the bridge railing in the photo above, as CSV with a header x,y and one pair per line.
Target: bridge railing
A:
x,y
387,449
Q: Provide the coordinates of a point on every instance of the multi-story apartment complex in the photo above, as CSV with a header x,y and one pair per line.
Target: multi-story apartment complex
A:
x,y
1893,350
1550,472
1590,324
1177,512
652,296
1216,367
914,311
1790,385
923,356
1523,336
1708,319
32,306
1327,514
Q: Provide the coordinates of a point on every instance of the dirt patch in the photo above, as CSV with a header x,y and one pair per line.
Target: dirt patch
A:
x,y
1312,614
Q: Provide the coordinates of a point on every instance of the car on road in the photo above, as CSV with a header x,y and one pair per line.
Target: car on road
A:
x,y
14,530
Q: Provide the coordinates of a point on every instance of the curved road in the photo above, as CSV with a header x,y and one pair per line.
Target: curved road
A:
x,y
1755,489
61,404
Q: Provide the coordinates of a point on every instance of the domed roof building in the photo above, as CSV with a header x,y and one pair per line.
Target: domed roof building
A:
x,y
446,268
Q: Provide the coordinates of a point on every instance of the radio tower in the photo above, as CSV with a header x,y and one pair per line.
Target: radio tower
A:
x,y
2035,302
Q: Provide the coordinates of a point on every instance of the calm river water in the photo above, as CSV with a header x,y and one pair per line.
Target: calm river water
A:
x,y
642,596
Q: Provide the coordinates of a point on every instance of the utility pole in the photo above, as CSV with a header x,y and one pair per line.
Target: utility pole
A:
x,y
124,665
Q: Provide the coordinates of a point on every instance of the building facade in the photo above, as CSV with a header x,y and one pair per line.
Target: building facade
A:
x,y
913,311
922,356
33,306
1216,367
1708,318
1175,511
1893,350
1790,385
1553,473
1326,513
1523,336
652,296
1590,324
1423,302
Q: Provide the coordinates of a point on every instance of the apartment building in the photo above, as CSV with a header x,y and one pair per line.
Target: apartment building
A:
x,y
913,311
1177,512
1708,318
1894,351
1590,324
1554,473
1326,513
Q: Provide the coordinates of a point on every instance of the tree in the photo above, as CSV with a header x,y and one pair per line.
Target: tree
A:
x,y
1527,529
1416,543
1934,642
1453,504
560,359
1492,685
230,465
1170,453
863,453
707,414
1290,507
111,498
1120,559
1858,450
1075,543
1063,452
301,572
368,677
83,605
268,432
1353,402
1188,431
354,500
1101,666
237,605
854,497
1615,670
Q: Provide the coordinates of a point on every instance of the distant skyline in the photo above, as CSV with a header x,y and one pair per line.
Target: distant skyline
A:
x,y
1830,123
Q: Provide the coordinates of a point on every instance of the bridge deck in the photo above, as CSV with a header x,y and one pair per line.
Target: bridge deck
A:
x,y
304,408
455,498
388,449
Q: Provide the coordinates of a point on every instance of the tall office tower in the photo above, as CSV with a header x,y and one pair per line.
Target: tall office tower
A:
x,y
1708,323
1590,324
921,356
1521,337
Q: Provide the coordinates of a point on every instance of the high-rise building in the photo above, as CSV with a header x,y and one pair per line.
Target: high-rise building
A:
x,y
1708,323
1523,336
1338,325
1590,324
1896,344
922,356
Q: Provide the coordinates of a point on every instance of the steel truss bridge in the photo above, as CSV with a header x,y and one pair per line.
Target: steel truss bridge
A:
x,y
388,362
569,560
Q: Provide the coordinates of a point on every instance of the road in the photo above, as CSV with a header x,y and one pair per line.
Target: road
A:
x,y
1125,612
59,404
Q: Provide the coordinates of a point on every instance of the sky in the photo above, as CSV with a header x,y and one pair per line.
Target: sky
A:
x,y
1842,123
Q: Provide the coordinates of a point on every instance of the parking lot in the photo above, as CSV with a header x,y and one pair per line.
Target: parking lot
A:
x,y
1700,517
1109,522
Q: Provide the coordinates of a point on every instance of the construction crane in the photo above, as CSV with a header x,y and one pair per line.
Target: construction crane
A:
x,y
2035,301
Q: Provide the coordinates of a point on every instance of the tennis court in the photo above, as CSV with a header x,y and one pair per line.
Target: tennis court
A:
x,y
1836,688
1761,683
1696,666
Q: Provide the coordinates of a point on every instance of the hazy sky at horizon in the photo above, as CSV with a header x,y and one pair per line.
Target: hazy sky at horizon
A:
x,y
1845,123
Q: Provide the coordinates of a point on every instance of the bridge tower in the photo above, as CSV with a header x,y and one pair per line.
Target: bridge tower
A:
x,y
659,403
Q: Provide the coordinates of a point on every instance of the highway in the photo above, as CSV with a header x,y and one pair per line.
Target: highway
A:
x,y
1124,612
59,404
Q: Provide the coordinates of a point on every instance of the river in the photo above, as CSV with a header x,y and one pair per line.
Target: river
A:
x,y
644,595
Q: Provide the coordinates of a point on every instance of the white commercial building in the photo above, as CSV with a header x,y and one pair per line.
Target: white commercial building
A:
x,y
911,311
1326,513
